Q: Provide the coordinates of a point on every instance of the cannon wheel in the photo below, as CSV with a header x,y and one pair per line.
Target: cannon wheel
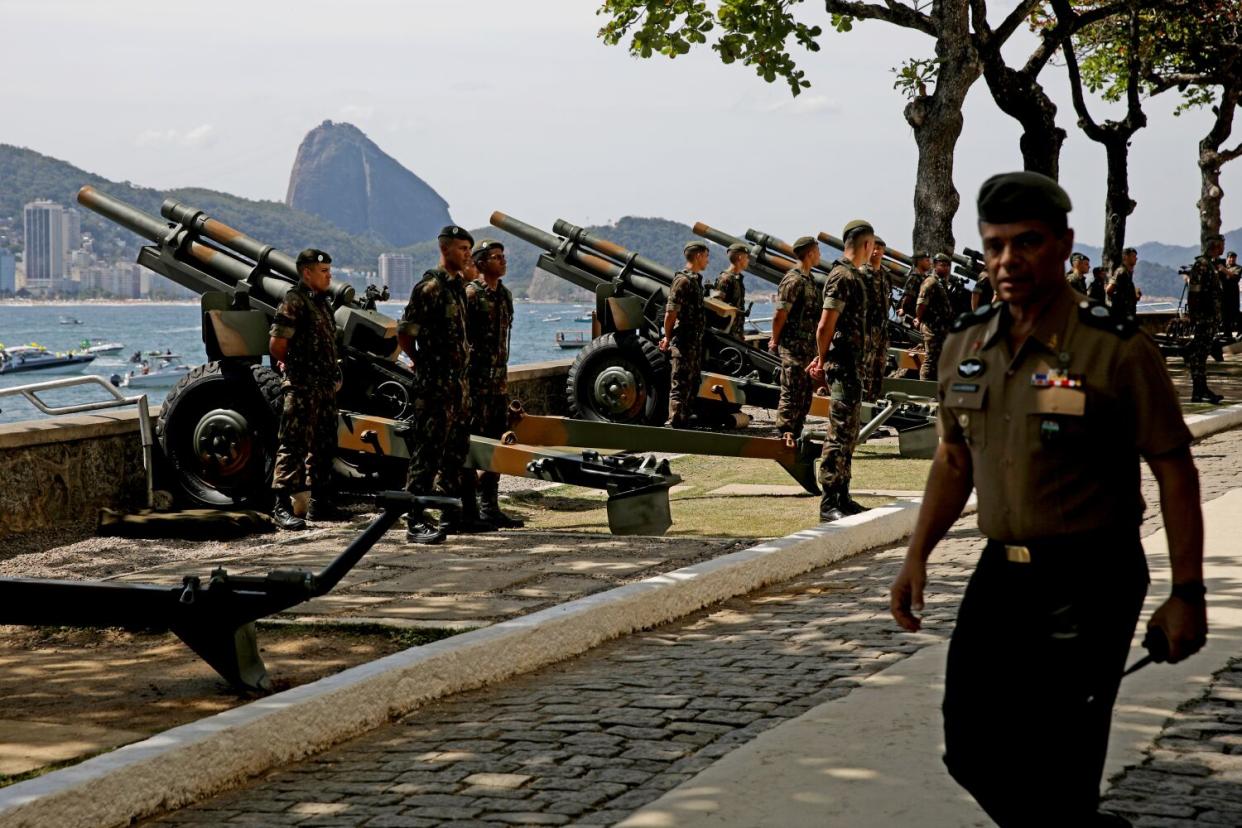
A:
x,y
619,379
218,430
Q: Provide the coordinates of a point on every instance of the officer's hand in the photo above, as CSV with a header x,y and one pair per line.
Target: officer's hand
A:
x,y
280,366
664,343
1184,624
772,346
905,597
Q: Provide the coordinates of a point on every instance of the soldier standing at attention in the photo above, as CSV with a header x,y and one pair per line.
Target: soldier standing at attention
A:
x,y
1229,278
910,293
1099,285
1122,293
432,333
1203,293
934,314
303,347
684,319
1080,266
879,298
1047,405
841,346
983,293
489,321
730,287
793,337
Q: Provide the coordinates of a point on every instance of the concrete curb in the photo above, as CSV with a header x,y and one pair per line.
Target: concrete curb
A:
x,y
190,762
1221,419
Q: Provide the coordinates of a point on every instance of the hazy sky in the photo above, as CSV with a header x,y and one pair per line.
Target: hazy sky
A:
x,y
517,106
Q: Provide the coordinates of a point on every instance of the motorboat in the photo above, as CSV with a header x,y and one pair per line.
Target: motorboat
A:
x,y
168,371
34,357
70,320
99,346
583,318
572,339
551,319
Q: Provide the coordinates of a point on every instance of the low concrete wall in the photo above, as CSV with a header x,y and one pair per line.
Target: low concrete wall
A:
x,y
64,469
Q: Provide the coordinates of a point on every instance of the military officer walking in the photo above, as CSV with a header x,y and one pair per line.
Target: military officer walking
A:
x,y
934,313
1123,294
432,333
731,288
1080,266
841,343
684,319
793,337
918,273
303,347
1229,278
879,298
1203,295
489,322
1047,405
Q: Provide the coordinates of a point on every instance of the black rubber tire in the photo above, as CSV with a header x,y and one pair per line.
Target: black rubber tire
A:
x,y
249,396
641,365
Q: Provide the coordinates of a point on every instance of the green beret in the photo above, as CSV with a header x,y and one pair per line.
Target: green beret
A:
x,y
802,243
1076,257
856,227
693,245
879,242
919,254
1233,253
452,231
484,245
1019,196
311,256
942,257
738,247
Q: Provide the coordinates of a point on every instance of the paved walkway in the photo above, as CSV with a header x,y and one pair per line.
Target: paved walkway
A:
x,y
593,740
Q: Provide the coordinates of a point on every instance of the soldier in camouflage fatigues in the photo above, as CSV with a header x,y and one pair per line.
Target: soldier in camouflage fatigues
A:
x,y
489,321
684,320
1123,294
793,336
934,314
1203,294
879,297
303,342
433,334
842,344
731,288
1080,266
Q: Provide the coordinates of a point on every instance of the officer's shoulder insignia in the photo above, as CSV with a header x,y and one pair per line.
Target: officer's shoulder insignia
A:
x,y
1098,316
978,316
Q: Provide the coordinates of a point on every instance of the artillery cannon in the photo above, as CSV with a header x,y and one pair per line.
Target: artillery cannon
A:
x,y
218,425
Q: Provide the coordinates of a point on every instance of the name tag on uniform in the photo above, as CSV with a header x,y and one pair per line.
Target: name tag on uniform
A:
x,y
1057,379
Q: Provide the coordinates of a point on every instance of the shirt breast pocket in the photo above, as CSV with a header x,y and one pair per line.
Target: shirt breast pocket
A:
x,y
969,408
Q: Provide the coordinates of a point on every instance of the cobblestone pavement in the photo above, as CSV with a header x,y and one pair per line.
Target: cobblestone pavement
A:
x,y
589,741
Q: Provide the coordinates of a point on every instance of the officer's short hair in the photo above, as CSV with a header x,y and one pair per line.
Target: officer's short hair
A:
x,y
1129,251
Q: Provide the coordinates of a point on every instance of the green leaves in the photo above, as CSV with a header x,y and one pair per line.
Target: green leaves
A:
x,y
914,75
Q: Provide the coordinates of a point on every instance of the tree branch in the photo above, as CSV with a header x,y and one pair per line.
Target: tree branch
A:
x,y
1085,121
893,12
1011,23
1135,119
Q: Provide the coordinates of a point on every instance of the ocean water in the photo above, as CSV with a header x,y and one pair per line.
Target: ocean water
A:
x,y
142,326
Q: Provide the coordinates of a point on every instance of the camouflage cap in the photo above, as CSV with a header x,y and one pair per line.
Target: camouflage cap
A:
x,y
693,245
1018,196
855,228
482,246
738,247
942,258
311,256
802,243
452,231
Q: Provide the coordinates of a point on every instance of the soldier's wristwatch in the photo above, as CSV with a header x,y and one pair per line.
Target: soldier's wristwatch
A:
x,y
1192,592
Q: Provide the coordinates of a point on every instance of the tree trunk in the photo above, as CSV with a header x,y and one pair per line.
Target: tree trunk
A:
x,y
1021,97
1117,202
1211,159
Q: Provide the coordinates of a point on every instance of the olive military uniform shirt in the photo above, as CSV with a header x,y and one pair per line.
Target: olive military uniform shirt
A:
x,y
1077,281
732,289
685,298
845,291
436,317
489,321
1125,298
798,296
1056,430
937,311
305,319
1203,290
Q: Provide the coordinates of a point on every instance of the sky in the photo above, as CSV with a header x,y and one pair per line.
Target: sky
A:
x,y
516,105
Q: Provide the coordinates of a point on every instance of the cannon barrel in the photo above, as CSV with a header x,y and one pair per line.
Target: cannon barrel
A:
x,y
785,249
893,263
764,265
128,216
203,225
613,250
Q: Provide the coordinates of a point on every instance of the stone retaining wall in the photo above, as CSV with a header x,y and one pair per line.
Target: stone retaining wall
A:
x,y
62,470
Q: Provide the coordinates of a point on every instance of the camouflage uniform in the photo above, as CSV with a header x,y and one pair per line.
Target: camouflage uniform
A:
x,y
875,362
937,314
798,296
1124,299
489,320
910,293
685,298
436,318
1096,291
308,419
846,291
732,290
1203,294
1077,281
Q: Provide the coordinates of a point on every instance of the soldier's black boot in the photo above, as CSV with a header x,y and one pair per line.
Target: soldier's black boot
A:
x,y
489,505
282,514
465,521
422,529
1201,393
830,506
849,505
323,506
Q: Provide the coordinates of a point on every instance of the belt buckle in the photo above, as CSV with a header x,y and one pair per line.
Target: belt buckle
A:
x,y
1017,554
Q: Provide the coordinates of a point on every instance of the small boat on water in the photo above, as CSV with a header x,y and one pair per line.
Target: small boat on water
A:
x,y
35,357
99,346
70,320
148,375
583,318
551,319
572,339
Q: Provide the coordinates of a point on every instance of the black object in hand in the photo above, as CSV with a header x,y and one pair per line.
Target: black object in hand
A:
x,y
1157,646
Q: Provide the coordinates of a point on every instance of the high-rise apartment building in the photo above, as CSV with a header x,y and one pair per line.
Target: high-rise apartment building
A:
x,y
44,223
397,271
8,272
72,226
